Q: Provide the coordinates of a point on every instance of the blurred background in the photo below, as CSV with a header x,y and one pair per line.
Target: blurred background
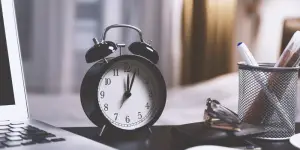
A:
x,y
196,41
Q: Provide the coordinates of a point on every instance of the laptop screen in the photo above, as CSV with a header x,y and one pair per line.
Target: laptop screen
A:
x,y
6,89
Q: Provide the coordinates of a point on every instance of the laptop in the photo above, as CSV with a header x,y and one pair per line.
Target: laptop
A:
x,y
17,130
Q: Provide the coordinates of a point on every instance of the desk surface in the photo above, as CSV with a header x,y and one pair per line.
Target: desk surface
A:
x,y
160,139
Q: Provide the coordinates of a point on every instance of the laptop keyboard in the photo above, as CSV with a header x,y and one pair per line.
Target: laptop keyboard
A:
x,y
21,134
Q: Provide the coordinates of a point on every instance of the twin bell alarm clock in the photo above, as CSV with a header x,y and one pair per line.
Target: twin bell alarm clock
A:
x,y
127,92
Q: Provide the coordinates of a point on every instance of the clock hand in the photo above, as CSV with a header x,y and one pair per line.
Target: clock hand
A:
x,y
131,83
124,98
127,83
127,93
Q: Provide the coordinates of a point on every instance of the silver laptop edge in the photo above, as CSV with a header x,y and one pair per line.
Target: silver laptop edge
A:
x,y
20,110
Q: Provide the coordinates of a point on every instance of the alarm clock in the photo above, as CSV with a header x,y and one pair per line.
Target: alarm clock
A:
x,y
127,92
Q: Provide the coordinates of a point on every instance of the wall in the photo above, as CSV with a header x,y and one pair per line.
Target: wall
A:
x,y
273,12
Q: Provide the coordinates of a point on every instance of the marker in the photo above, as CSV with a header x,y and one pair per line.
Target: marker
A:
x,y
246,54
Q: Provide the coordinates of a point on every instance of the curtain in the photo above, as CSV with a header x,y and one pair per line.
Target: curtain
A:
x,y
60,32
207,36
170,56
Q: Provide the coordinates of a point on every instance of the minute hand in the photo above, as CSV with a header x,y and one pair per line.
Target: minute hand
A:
x,y
132,80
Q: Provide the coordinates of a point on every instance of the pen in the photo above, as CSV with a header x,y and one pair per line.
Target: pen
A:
x,y
290,55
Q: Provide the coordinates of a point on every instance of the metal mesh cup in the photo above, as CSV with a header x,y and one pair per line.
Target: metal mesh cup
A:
x,y
267,97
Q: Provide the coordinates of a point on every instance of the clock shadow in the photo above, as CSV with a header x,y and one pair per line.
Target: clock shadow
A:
x,y
136,140
125,140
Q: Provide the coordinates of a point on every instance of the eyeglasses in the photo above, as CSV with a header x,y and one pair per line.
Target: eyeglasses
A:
x,y
218,116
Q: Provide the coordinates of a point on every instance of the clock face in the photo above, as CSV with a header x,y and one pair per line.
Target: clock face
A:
x,y
129,94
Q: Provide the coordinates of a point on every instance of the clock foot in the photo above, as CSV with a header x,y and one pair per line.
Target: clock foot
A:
x,y
102,130
150,130
105,60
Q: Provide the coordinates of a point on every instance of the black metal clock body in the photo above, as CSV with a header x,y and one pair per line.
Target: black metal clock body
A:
x,y
125,93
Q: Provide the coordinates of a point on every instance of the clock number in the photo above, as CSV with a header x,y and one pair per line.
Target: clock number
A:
x,y
127,119
107,81
106,107
102,94
127,67
140,115
116,72
147,106
116,114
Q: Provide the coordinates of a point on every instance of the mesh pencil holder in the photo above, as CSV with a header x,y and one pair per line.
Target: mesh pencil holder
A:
x,y
267,97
